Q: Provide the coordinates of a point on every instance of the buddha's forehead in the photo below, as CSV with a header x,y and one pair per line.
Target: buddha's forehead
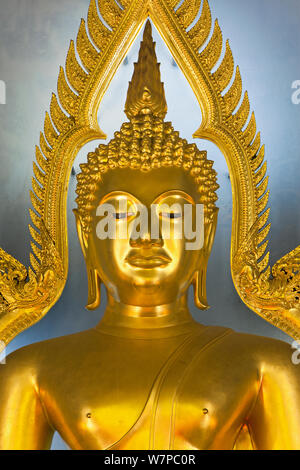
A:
x,y
147,186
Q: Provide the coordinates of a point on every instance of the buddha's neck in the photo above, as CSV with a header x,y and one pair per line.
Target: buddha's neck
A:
x,y
169,318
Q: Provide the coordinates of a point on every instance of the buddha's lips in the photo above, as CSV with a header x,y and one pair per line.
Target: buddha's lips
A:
x,y
148,262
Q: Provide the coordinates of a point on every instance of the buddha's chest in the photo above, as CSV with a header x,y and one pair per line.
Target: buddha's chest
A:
x,y
146,402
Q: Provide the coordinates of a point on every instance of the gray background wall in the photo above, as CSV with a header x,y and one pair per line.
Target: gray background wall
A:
x,y
265,39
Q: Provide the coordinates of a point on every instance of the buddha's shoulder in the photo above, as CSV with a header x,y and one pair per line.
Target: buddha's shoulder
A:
x,y
35,357
62,352
253,349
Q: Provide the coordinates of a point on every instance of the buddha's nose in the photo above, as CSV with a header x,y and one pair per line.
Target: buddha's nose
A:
x,y
146,241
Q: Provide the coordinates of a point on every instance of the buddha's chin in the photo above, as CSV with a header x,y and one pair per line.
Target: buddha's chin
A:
x,y
146,288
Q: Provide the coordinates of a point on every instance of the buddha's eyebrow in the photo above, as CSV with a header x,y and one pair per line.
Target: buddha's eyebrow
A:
x,y
116,194
175,193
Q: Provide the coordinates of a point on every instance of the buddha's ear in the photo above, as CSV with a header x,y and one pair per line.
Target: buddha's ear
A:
x,y
94,288
94,282
199,280
199,283
81,234
211,232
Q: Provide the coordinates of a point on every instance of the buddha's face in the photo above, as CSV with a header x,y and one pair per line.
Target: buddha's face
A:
x,y
137,267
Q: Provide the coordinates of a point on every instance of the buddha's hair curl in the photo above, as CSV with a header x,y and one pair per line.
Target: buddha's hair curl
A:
x,y
145,143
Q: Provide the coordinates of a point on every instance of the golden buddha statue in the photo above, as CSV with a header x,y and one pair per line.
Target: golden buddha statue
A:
x,y
148,376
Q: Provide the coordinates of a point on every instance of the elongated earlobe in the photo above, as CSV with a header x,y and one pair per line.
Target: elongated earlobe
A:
x,y
199,283
94,289
80,232
94,281
199,280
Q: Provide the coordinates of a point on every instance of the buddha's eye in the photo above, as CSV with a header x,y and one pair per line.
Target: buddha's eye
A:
x,y
171,215
123,215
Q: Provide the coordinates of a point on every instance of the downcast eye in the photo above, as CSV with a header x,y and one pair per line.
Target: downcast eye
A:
x,y
123,215
171,215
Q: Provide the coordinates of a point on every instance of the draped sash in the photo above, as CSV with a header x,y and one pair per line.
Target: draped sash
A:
x,y
156,423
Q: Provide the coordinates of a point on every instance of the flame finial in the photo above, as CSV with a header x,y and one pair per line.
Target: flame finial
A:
x,y
146,94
